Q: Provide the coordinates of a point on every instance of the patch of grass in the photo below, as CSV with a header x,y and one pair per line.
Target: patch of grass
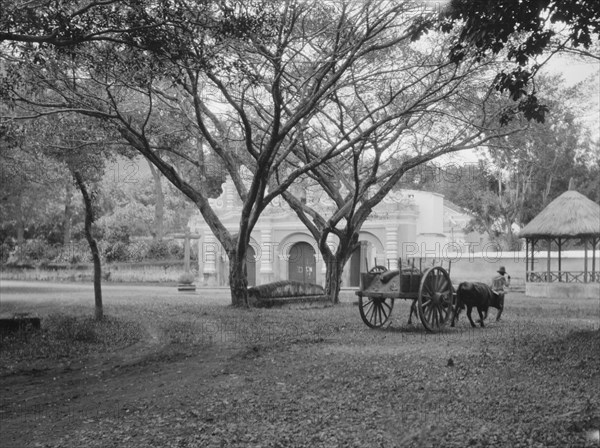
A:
x,y
66,336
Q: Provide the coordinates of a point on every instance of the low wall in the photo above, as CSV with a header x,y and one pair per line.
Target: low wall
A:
x,y
563,290
160,271
482,267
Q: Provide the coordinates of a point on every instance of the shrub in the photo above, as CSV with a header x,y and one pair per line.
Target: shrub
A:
x,y
187,278
74,252
137,250
34,250
5,250
116,233
164,250
116,251
157,250
176,251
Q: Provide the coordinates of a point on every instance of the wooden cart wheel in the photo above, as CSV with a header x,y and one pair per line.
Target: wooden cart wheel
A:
x,y
435,300
377,269
375,312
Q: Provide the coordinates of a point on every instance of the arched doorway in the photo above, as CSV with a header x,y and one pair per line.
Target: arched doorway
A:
x,y
302,263
251,266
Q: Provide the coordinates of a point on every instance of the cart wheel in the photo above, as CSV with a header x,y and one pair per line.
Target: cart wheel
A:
x,y
375,311
377,269
436,297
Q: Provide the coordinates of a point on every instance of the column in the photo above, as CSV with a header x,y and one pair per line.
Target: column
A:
x,y
209,251
229,192
391,247
364,254
266,257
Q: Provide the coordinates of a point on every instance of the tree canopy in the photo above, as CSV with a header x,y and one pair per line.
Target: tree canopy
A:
x,y
525,31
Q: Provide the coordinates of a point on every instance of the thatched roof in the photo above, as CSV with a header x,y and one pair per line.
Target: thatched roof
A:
x,y
569,215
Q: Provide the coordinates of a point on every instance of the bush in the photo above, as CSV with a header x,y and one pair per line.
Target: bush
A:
x,y
157,250
5,250
187,278
74,252
34,250
176,251
164,250
116,233
116,251
137,250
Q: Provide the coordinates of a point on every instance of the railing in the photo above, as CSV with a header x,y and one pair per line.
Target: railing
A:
x,y
563,276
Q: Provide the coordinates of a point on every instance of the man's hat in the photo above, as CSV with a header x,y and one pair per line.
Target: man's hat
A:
x,y
501,271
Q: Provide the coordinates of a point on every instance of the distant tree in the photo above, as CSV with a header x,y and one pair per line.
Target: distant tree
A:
x,y
129,201
32,185
524,170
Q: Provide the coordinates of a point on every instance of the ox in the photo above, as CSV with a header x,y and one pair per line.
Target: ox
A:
x,y
478,295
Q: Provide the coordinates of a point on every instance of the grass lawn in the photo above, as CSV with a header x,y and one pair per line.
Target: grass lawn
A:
x,y
180,373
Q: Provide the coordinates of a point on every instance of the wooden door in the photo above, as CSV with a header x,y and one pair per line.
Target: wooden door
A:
x,y
302,263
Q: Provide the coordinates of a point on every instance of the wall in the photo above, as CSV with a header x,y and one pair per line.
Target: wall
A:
x,y
119,272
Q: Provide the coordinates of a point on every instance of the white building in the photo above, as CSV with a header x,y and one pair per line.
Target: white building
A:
x,y
407,224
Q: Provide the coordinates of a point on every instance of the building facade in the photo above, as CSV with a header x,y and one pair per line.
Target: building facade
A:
x,y
407,224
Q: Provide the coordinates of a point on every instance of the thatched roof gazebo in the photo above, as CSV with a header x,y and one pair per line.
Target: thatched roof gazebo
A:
x,y
571,216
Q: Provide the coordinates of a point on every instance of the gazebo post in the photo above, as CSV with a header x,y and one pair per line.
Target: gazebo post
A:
x,y
585,261
549,277
526,259
559,260
532,254
594,276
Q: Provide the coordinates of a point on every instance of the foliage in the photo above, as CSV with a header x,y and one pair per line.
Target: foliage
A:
x,y
116,251
272,90
523,30
128,200
244,83
523,171
32,185
187,278
163,250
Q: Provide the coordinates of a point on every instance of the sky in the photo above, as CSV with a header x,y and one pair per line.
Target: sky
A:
x,y
574,70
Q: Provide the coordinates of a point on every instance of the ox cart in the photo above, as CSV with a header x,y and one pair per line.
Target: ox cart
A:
x,y
431,291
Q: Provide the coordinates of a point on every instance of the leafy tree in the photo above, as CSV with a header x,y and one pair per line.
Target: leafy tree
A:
x,y
33,188
524,30
438,110
524,170
129,201
245,79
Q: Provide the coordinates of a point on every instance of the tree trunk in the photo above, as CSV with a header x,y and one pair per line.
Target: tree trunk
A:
x,y
238,281
89,220
159,204
68,214
333,274
20,224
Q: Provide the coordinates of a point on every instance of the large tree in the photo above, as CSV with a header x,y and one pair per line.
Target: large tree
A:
x,y
433,108
247,79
